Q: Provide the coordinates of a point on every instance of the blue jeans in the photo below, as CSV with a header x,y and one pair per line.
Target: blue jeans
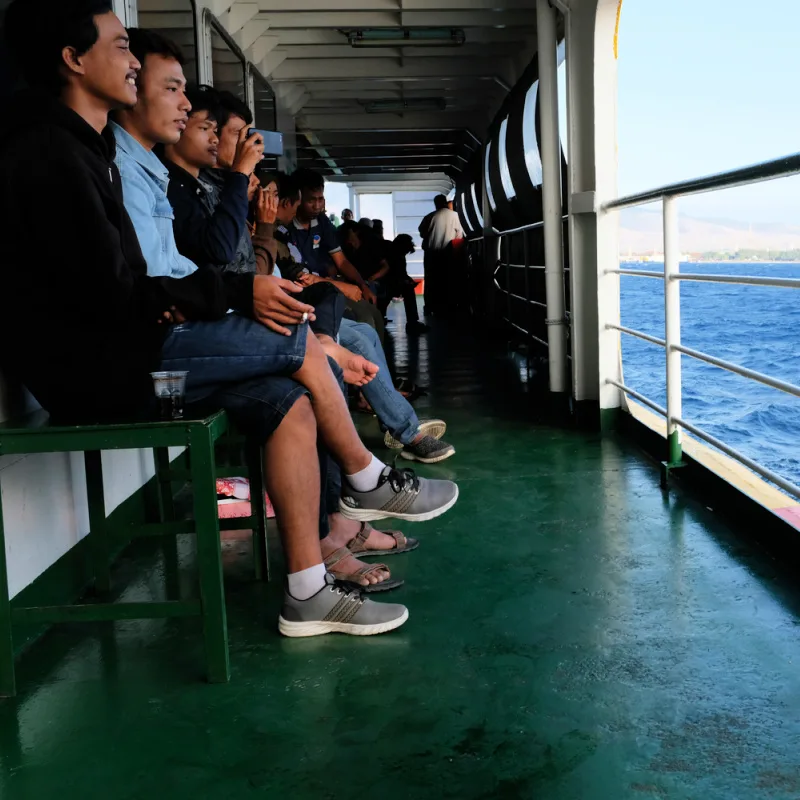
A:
x,y
244,367
240,365
394,412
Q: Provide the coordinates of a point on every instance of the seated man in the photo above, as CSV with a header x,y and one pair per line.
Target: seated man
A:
x,y
210,216
313,234
365,251
97,306
420,441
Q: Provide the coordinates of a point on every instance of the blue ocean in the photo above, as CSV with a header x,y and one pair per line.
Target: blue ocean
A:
x,y
753,326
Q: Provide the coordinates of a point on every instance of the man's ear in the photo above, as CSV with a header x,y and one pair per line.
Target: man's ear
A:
x,y
72,61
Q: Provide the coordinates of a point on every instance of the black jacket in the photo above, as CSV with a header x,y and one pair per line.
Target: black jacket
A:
x,y
79,318
210,224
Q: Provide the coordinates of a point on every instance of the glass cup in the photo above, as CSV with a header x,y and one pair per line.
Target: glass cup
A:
x,y
170,389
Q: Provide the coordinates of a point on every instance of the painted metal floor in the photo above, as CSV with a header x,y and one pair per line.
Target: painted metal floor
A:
x,y
574,634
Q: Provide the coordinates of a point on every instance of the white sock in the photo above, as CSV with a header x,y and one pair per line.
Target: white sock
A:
x,y
367,479
307,582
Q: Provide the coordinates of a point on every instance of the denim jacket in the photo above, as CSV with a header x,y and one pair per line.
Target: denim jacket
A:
x,y
144,189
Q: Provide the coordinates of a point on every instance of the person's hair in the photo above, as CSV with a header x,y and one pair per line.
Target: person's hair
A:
x,y
204,98
347,211
347,227
144,42
377,223
440,201
366,222
36,33
308,180
232,106
288,188
404,241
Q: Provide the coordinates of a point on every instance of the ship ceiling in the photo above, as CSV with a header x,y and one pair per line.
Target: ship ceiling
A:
x,y
379,108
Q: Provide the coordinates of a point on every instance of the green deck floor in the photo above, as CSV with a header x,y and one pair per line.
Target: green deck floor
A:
x,y
574,634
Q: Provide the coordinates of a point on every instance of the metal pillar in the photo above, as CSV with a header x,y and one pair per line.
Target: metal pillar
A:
x,y
551,194
672,328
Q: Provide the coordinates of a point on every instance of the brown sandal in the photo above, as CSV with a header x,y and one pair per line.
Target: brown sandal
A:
x,y
402,543
352,579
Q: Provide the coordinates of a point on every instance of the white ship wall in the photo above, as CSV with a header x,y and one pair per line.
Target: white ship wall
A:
x,y
44,498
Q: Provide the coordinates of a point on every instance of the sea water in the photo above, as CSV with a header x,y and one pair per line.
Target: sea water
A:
x,y
753,326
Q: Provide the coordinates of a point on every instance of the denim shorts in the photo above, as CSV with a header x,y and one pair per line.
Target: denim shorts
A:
x,y
240,365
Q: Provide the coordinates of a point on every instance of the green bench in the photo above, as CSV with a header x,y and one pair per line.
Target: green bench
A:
x,y
36,434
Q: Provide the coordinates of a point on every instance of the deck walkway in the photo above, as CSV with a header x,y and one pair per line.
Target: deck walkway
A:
x,y
574,635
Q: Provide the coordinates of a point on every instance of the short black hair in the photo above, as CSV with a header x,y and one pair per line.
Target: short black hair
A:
x,y
233,106
308,180
205,98
144,42
440,201
36,33
404,242
346,227
287,185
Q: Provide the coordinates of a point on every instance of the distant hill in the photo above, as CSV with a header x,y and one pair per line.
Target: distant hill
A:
x,y
641,232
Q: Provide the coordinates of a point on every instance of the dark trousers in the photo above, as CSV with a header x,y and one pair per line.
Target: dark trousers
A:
x,y
405,288
438,269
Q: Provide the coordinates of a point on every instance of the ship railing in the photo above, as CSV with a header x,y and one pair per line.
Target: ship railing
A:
x,y
519,310
671,278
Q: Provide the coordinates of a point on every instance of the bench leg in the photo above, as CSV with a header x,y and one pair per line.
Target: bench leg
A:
x,y
8,686
98,533
258,509
209,556
165,512
166,501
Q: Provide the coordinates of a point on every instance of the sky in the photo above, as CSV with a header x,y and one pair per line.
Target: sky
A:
x,y
707,86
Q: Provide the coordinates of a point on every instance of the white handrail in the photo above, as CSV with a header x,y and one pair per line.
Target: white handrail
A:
x,y
765,171
642,273
638,334
748,280
640,397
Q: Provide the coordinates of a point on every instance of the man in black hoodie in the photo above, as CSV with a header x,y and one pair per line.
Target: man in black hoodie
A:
x,y
81,323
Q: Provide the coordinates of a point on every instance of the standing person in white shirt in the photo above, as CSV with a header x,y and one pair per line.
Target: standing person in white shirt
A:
x,y
438,231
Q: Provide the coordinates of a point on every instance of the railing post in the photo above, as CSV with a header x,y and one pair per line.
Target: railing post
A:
x,y
547,41
672,331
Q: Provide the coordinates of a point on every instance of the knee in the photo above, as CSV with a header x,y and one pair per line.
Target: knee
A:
x,y
301,420
371,335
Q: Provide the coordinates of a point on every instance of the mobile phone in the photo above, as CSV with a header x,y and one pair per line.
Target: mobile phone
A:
x,y
273,141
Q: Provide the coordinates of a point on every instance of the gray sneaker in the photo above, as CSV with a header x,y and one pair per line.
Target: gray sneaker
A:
x,y
400,494
334,609
427,427
428,450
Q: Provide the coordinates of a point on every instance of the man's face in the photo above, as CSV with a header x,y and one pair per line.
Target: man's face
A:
x,y
313,204
199,143
162,112
287,210
347,216
108,69
228,140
